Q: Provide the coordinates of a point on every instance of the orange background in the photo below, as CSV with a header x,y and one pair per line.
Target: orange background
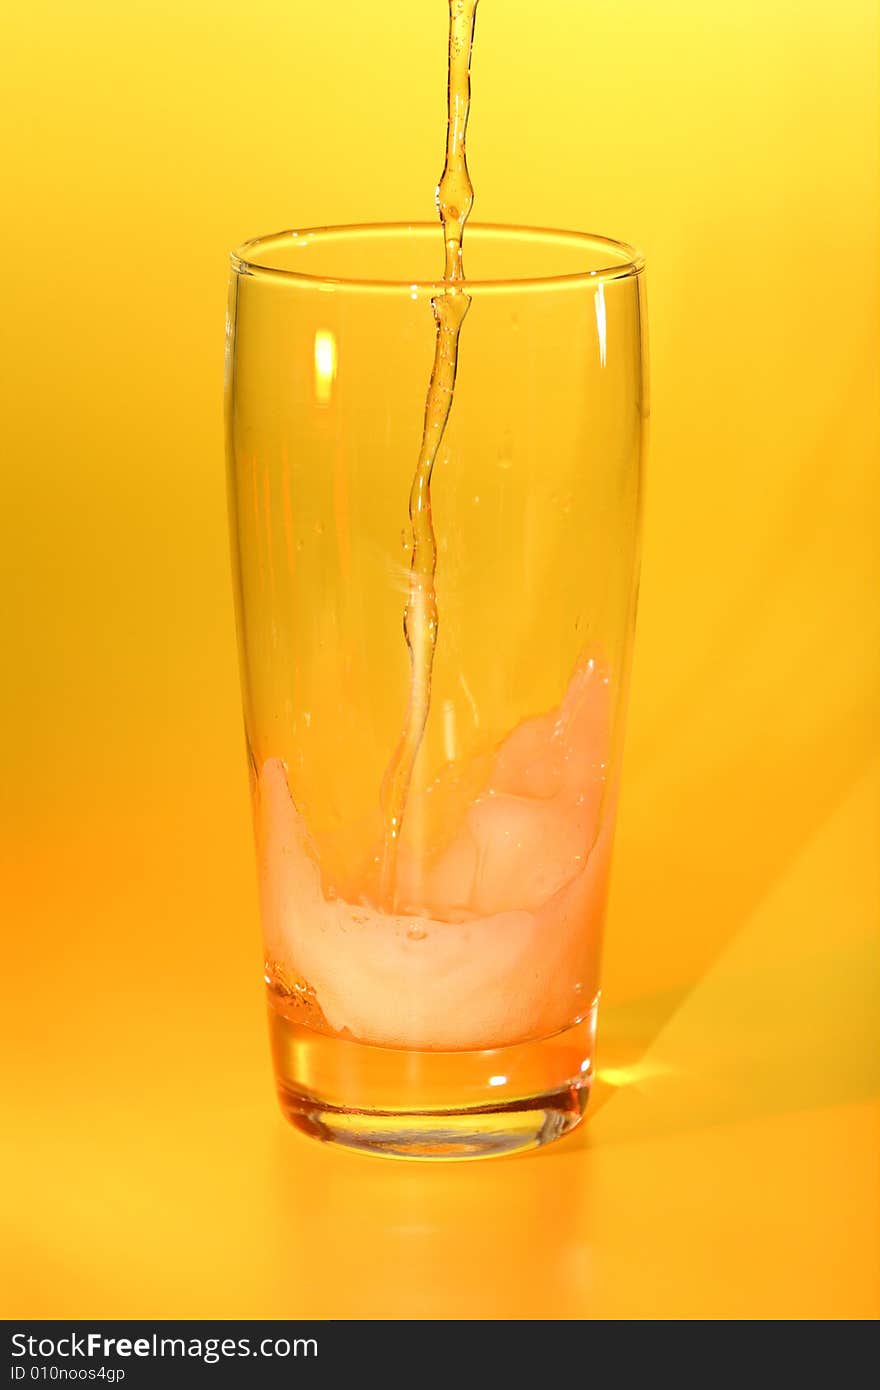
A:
x,y
729,1164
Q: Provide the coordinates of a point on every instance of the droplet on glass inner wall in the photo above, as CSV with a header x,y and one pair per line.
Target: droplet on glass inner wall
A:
x,y
415,932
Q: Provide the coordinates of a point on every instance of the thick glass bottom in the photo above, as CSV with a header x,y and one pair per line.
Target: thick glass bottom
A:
x,y
432,1105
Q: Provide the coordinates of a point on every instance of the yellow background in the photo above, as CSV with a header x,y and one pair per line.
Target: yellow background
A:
x,y
729,1165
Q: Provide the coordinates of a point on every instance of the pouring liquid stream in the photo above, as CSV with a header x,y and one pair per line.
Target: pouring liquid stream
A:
x,y
455,196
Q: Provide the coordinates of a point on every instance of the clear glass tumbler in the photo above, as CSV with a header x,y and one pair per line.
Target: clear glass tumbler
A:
x,y
455,1017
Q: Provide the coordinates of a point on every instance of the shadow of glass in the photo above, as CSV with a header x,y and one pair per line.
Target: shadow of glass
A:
x,y
766,727
785,1020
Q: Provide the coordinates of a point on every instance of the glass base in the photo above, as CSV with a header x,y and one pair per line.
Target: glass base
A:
x,y
432,1105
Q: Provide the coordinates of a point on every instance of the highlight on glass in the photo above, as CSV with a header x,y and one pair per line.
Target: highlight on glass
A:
x,y
434,491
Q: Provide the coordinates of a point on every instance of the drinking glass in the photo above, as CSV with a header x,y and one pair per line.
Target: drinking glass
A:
x,y
454,1016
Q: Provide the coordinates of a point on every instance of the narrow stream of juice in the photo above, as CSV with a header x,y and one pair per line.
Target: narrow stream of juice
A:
x,y
455,196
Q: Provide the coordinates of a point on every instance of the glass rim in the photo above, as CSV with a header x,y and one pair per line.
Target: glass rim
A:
x,y
631,264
